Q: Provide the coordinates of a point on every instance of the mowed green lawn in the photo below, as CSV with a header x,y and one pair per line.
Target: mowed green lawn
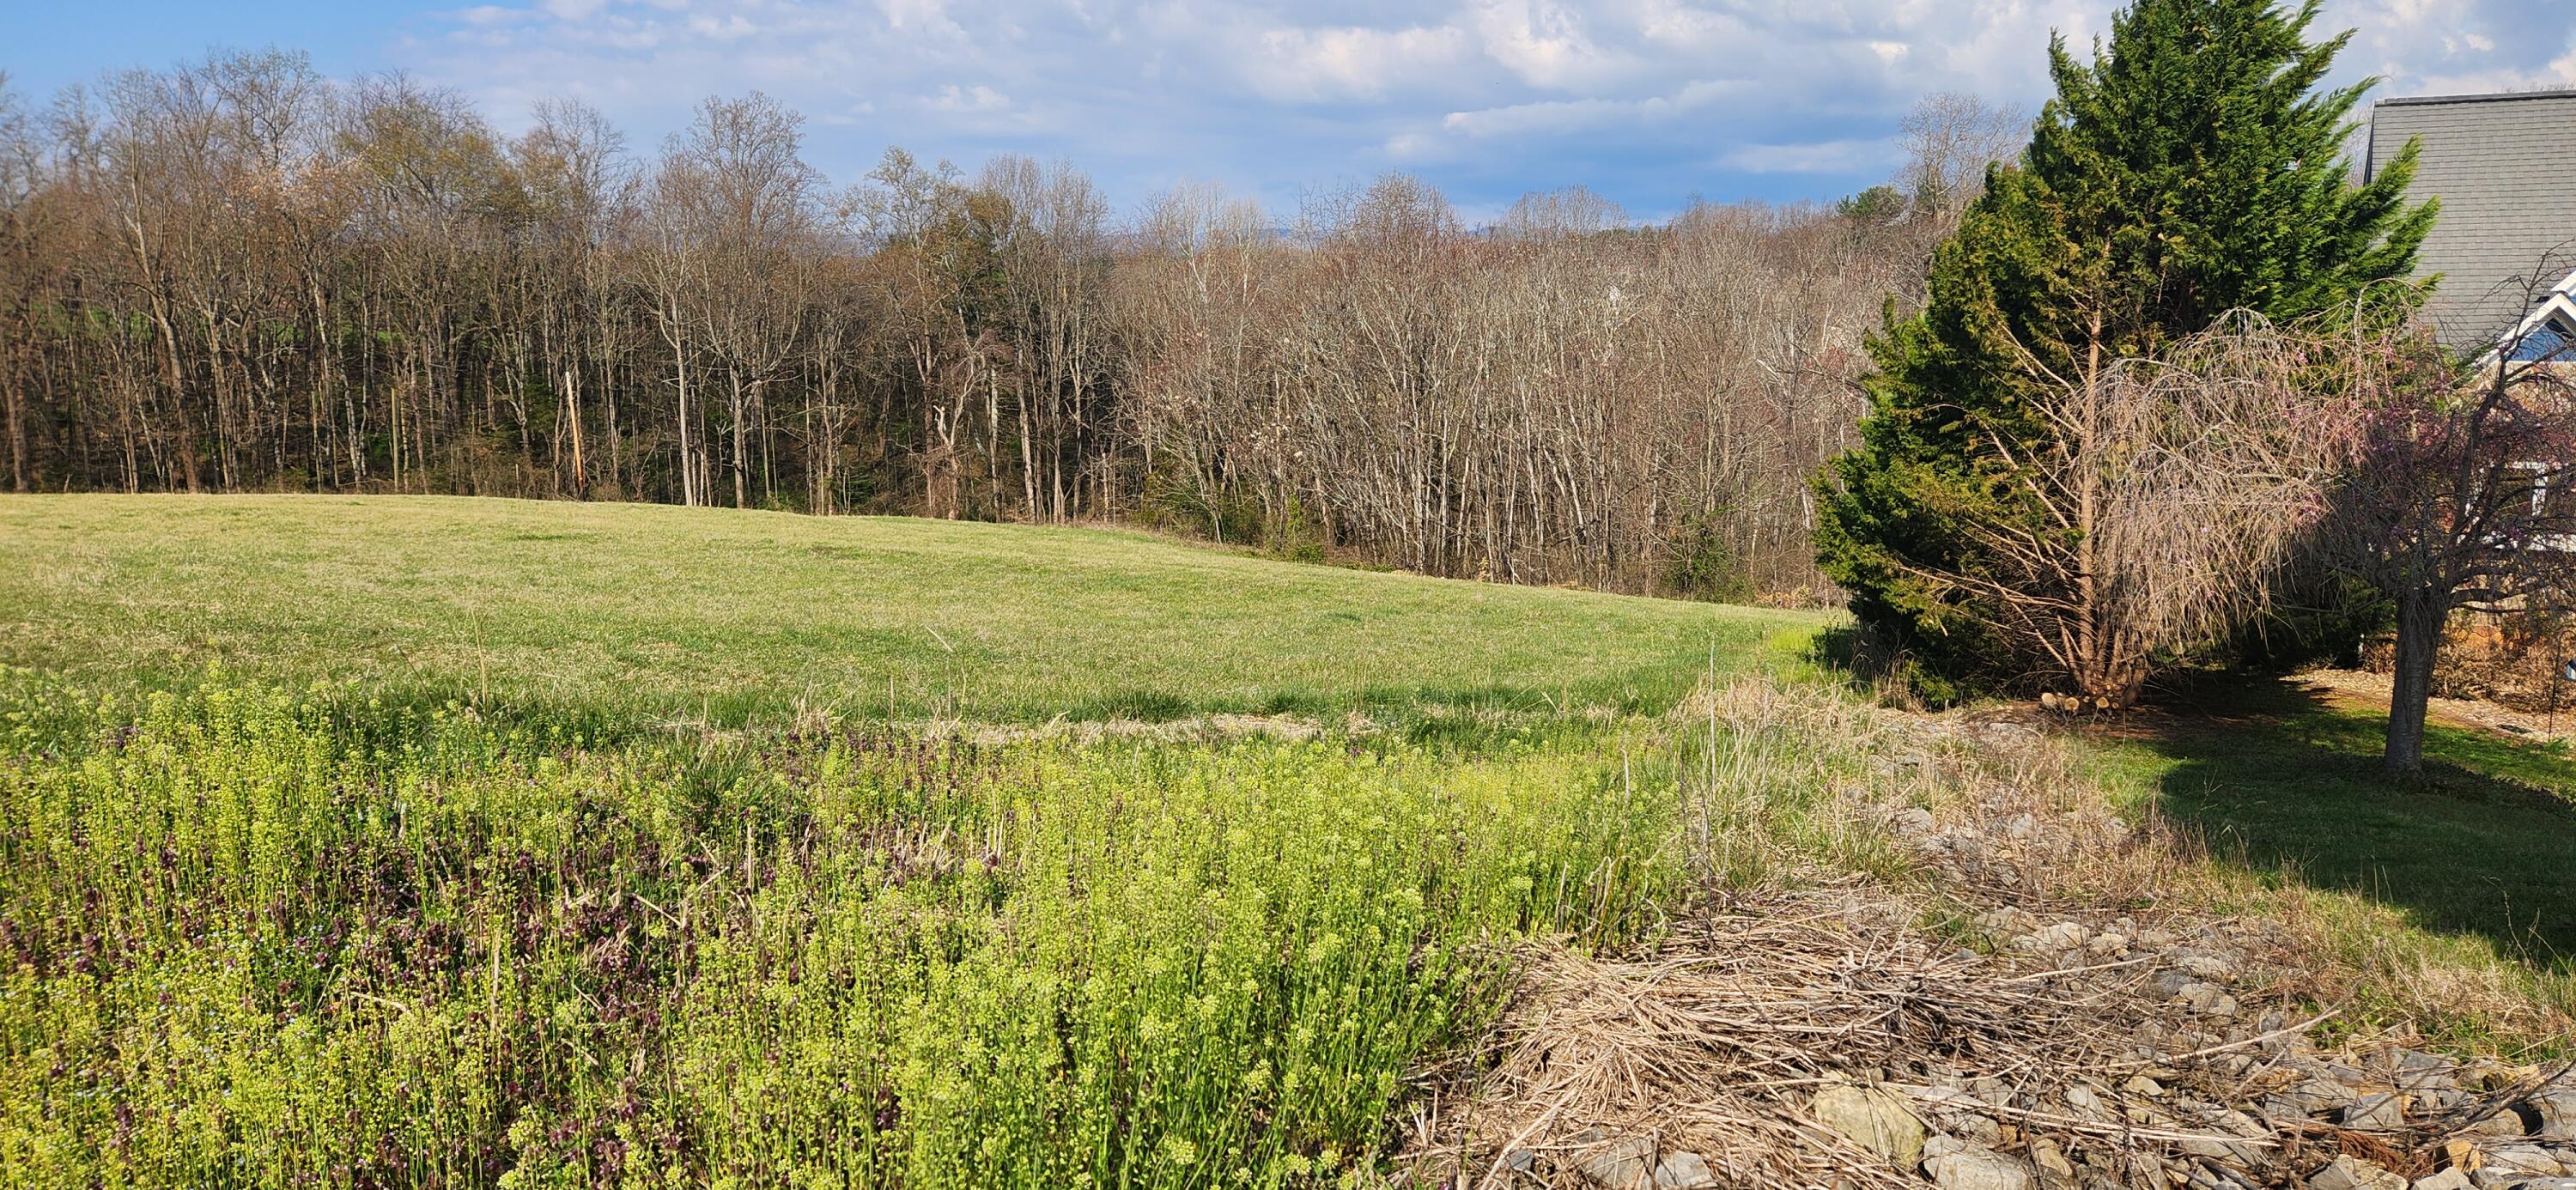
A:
x,y
2285,784
730,616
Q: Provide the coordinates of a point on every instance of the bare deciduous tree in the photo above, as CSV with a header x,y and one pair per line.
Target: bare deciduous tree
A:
x,y
2458,493
237,274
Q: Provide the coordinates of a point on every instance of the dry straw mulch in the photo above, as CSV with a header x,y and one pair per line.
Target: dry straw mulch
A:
x,y
1716,1042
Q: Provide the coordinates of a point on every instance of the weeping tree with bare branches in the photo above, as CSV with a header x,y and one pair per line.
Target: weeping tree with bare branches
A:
x,y
2172,492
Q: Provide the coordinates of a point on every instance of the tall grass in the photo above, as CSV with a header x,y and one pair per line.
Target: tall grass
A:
x,y
257,938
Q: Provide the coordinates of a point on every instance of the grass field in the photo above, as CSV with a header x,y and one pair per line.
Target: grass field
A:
x,y
317,866
729,616
2480,845
2459,878
408,842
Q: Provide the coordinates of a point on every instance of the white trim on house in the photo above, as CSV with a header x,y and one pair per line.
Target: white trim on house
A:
x,y
2559,308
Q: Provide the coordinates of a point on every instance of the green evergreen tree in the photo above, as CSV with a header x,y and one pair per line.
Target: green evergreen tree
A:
x,y
2193,167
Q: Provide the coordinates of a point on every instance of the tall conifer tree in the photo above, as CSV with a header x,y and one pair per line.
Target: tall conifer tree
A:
x,y
2194,166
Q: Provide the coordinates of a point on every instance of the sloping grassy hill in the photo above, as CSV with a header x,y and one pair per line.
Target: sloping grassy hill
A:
x,y
251,936
729,615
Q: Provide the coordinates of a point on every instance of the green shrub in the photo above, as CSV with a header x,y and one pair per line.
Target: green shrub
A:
x,y
1296,535
1704,565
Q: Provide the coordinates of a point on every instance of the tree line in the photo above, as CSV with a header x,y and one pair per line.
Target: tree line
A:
x,y
238,275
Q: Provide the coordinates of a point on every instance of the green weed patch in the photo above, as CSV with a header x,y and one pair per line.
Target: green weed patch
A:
x,y
252,938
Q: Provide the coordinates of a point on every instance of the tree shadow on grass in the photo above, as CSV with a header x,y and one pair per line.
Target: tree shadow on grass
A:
x,y
2484,842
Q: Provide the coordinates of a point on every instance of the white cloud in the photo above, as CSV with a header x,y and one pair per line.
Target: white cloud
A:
x,y
1312,64
2440,47
731,28
928,16
1820,157
1546,45
978,98
1646,100
1575,115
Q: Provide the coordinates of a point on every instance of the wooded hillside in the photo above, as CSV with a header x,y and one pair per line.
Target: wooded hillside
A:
x,y
237,275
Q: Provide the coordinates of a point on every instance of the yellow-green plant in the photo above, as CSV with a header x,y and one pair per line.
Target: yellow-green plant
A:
x,y
256,939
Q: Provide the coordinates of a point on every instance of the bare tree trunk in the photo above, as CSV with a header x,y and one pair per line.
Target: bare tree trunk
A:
x,y
572,411
688,463
2419,636
740,464
16,382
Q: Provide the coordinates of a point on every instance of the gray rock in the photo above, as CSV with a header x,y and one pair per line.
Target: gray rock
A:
x,y
1974,1129
2434,1101
1991,1090
2319,1095
2423,1072
2202,965
2243,1152
2557,1110
1974,1167
2237,1151
2007,920
1683,1171
2051,1160
2449,1179
2375,1113
2201,1176
2207,999
1873,1119
1621,1164
2056,939
2284,1109
2349,1173
2087,1104
2501,1124
2514,1163
2216,1145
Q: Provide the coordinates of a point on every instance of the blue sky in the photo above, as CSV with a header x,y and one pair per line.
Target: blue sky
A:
x,y
1647,101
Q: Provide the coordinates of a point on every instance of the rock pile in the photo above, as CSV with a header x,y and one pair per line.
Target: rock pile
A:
x,y
2075,1056
1836,1039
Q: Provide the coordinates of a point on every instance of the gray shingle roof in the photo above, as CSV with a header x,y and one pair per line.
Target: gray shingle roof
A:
x,y
2505,169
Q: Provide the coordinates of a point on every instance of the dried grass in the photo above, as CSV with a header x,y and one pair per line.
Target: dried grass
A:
x,y
1716,1041
1833,948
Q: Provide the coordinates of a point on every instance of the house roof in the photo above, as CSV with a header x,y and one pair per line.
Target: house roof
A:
x,y
2504,167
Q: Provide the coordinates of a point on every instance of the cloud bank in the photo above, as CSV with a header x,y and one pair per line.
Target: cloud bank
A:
x,y
1647,101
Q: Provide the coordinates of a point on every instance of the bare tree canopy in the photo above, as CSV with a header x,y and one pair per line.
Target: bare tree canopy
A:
x,y
237,275
2458,496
